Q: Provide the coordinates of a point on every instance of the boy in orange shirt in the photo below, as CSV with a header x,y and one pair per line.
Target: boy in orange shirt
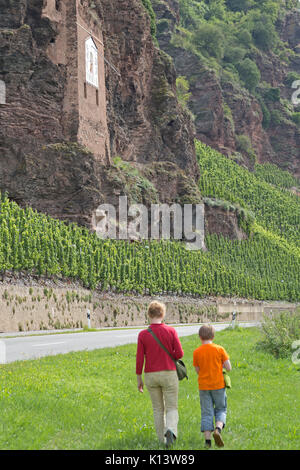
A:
x,y
209,360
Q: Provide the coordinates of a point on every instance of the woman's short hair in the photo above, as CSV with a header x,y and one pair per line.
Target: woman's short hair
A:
x,y
207,332
156,309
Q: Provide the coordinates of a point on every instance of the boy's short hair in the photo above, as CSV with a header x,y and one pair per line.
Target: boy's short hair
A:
x,y
156,309
207,332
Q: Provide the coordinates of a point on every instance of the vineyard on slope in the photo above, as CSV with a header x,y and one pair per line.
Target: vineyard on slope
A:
x,y
264,267
275,208
273,175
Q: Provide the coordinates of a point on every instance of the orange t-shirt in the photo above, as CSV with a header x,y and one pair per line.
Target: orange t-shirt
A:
x,y
210,358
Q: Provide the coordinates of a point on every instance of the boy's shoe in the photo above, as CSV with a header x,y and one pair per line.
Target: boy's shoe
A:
x,y
207,444
218,438
170,438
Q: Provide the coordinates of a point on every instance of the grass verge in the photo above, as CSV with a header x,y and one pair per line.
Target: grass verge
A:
x,y
88,400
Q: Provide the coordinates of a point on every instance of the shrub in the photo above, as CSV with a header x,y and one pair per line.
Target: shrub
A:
x,y
243,144
249,73
272,94
163,25
239,5
183,94
291,78
276,117
264,33
228,114
266,114
215,9
234,55
148,5
296,118
245,37
279,332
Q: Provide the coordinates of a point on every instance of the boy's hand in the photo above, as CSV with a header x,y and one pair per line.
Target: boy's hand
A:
x,y
227,365
140,384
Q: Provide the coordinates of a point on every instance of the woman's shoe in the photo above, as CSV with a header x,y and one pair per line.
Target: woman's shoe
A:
x,y
170,438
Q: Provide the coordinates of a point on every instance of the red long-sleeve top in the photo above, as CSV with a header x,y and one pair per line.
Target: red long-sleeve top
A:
x,y
156,358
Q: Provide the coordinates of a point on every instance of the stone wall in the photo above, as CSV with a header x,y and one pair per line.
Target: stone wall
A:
x,y
35,307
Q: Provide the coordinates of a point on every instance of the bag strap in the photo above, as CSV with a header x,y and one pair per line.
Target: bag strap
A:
x,y
161,345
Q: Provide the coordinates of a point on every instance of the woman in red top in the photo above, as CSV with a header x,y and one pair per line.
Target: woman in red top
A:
x,y
160,372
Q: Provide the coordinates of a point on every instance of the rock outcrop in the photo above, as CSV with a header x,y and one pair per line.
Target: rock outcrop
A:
x,y
43,166
43,162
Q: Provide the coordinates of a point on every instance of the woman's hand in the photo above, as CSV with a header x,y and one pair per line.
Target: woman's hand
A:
x,y
140,384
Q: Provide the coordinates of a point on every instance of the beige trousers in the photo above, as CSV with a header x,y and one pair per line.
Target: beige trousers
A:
x,y
163,390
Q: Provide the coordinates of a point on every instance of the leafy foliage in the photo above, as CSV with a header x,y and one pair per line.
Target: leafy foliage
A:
x,y
183,94
148,5
279,332
249,73
243,144
230,32
210,40
264,33
296,118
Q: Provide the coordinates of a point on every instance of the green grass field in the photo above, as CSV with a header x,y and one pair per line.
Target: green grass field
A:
x,y
89,400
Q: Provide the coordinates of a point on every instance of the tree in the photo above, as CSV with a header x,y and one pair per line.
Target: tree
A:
x,y
264,33
210,39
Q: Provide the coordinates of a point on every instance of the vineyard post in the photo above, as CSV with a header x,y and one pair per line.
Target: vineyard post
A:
x,y
234,315
88,314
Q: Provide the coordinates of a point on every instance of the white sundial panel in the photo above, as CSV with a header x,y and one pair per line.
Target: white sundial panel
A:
x,y
2,92
91,63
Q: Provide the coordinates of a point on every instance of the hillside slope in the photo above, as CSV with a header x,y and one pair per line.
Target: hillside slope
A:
x,y
265,266
240,59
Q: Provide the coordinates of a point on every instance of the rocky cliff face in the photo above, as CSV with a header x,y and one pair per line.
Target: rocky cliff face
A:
x,y
145,120
38,165
45,167
224,111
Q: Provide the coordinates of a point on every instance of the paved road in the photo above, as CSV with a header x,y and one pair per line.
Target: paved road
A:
x,y
33,347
